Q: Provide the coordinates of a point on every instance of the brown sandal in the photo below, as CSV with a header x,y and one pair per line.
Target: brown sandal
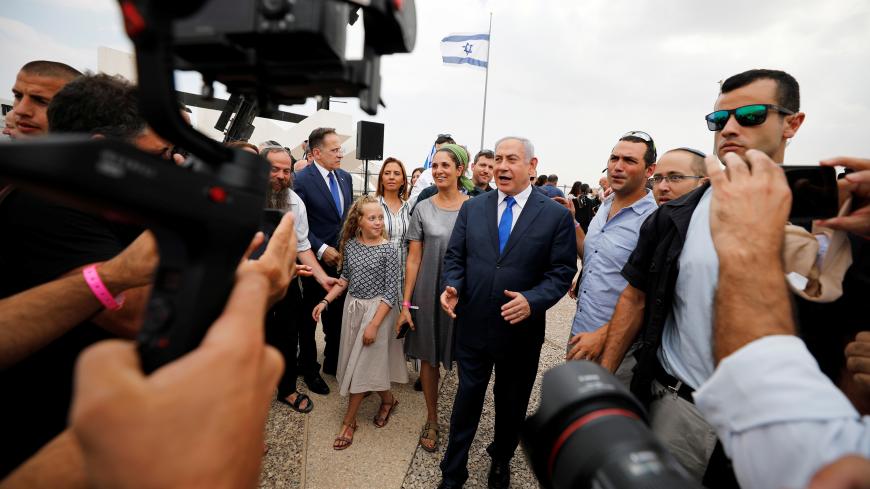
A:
x,y
430,433
341,441
381,420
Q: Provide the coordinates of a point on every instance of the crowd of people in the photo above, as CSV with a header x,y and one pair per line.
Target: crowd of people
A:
x,y
687,293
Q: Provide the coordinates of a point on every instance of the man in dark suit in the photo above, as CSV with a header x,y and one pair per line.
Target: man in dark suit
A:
x,y
510,258
326,190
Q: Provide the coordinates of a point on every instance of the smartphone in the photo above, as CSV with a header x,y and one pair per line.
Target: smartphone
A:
x,y
405,327
403,331
814,192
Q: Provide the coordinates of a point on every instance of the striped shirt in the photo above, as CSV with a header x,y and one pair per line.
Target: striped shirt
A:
x,y
397,226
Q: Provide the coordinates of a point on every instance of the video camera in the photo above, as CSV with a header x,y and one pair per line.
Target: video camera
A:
x,y
274,51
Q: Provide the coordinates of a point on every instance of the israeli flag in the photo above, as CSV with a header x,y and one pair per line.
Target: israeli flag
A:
x,y
428,163
469,49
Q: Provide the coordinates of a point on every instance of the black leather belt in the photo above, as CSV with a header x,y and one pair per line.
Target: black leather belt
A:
x,y
673,384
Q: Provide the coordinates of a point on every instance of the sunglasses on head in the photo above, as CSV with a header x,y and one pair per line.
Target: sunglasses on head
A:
x,y
645,137
748,115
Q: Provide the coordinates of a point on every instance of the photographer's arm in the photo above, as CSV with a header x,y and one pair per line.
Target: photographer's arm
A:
x,y
51,309
57,465
767,392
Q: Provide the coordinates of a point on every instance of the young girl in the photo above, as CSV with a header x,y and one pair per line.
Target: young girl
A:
x,y
369,355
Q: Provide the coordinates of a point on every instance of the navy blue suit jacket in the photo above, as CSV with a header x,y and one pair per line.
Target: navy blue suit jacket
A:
x,y
539,261
324,223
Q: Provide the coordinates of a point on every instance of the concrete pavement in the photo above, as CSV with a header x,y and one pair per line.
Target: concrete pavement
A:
x,y
300,446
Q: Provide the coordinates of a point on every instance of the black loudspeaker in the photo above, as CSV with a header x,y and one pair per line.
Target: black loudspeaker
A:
x,y
369,140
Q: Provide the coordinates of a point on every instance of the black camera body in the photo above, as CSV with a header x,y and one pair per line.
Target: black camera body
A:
x,y
590,432
275,51
287,50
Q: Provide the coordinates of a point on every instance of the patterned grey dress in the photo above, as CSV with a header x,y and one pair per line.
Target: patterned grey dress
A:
x,y
432,340
372,273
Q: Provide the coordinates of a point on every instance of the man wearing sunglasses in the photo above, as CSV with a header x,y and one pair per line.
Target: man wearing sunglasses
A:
x,y
673,273
678,172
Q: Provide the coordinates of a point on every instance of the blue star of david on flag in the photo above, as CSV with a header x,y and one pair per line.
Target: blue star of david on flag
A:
x,y
466,49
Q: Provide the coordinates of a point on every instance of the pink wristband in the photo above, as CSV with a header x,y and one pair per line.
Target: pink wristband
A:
x,y
92,278
406,304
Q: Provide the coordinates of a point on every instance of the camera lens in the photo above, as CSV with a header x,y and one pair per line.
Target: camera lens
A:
x,y
590,432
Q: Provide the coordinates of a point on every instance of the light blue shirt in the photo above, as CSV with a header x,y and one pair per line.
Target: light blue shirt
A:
x,y
779,417
608,245
686,351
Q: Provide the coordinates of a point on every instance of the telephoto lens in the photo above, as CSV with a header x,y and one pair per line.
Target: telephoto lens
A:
x,y
590,432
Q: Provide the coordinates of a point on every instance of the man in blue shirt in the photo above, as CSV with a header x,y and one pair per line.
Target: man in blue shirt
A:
x,y
550,189
611,238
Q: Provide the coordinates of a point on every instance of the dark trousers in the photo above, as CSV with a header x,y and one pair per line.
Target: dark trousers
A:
x,y
514,377
282,332
312,294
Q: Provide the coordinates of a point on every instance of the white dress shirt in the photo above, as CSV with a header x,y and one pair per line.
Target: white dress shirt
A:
x,y
779,418
424,180
325,174
300,215
520,203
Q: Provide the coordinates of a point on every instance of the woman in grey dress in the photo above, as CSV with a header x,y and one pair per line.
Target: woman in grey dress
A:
x,y
431,337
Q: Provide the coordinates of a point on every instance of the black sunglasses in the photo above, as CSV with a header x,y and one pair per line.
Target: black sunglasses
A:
x,y
748,115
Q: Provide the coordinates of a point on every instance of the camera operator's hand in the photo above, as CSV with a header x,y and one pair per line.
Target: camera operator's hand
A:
x,y
749,207
858,358
856,184
330,256
849,472
278,262
748,211
196,422
133,267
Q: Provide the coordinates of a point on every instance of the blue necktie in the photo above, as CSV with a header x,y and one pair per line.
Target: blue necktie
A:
x,y
333,188
504,226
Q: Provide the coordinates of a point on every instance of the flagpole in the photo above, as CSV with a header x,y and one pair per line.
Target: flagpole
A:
x,y
486,81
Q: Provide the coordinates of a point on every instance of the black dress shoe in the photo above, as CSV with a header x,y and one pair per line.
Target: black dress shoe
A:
x,y
316,384
446,484
499,475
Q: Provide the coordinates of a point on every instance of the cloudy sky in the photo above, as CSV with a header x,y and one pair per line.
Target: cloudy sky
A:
x,y
570,75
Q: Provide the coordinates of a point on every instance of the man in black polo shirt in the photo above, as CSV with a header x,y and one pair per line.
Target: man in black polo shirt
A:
x,y
43,241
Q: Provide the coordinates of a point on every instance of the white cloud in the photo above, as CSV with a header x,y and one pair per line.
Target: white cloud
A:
x,y
30,44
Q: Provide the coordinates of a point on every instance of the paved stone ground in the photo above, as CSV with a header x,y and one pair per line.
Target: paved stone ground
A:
x,y
390,458
424,472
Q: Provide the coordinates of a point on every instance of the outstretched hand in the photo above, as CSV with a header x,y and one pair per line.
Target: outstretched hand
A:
x,y
278,262
449,299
